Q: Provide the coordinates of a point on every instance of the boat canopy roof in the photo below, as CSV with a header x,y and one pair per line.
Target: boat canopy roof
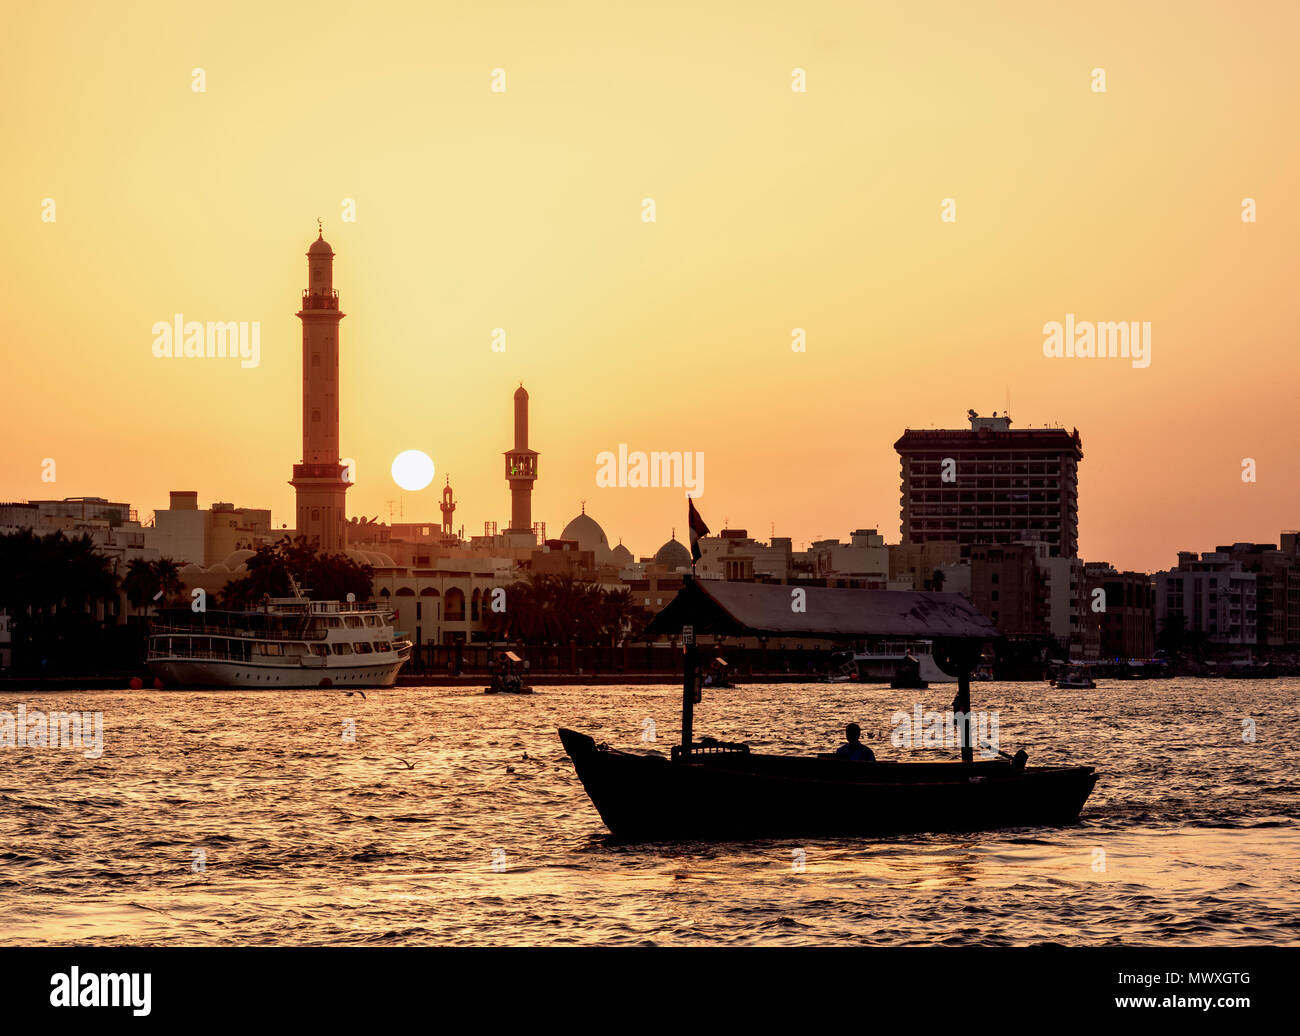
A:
x,y
714,606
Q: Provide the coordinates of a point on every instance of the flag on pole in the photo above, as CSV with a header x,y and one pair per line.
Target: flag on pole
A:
x,y
697,527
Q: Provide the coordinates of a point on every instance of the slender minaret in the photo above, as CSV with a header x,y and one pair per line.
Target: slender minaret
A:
x,y
448,508
521,469
319,481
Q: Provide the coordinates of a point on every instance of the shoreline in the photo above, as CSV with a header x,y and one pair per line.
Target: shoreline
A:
x,y
121,682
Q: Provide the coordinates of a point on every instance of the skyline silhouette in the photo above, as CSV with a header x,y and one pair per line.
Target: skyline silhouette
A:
x,y
521,210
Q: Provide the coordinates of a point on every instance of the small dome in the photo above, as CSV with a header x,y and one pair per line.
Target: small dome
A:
x,y
373,558
235,559
673,555
521,392
588,534
621,556
320,247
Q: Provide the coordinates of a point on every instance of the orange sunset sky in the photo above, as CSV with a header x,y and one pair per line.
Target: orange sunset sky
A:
x,y
775,210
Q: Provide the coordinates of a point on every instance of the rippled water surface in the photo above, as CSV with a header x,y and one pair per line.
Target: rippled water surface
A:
x,y
456,819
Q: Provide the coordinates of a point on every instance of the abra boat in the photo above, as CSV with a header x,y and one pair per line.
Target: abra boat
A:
x,y
508,677
290,642
713,790
719,791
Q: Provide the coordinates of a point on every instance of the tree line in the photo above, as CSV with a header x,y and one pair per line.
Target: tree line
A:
x,y
62,595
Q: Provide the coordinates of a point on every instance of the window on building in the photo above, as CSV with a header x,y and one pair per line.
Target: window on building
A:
x,y
455,605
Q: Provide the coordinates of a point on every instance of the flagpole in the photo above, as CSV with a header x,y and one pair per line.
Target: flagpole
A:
x,y
695,528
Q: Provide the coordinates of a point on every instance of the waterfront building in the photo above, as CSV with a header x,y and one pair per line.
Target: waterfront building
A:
x,y
1212,595
912,566
1008,587
991,484
188,534
1125,628
862,563
733,555
1277,587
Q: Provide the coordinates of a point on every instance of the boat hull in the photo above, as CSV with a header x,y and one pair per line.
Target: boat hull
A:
x,y
729,795
210,673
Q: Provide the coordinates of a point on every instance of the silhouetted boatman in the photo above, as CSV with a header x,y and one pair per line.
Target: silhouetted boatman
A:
x,y
854,749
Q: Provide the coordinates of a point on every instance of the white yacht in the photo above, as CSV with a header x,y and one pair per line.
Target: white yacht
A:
x,y
289,642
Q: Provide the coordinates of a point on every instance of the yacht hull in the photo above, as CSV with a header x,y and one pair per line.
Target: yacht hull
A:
x,y
200,673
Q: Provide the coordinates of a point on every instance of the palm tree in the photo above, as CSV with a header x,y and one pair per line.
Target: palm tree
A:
x,y
138,583
167,573
56,589
144,579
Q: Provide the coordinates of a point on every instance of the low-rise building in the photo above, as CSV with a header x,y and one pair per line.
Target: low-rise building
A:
x,y
1122,617
1211,595
190,535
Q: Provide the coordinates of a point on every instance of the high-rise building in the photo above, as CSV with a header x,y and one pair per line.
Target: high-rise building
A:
x,y
521,470
991,484
319,480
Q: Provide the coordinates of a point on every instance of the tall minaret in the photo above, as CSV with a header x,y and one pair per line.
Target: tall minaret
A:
x,y
521,469
319,481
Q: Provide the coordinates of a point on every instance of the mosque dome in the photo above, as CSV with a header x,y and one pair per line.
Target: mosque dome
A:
x,y
622,557
236,559
320,247
673,555
588,534
373,558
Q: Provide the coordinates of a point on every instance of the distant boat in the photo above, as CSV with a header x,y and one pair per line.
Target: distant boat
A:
x,y
1074,677
907,675
508,677
881,660
290,642
719,674
714,790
